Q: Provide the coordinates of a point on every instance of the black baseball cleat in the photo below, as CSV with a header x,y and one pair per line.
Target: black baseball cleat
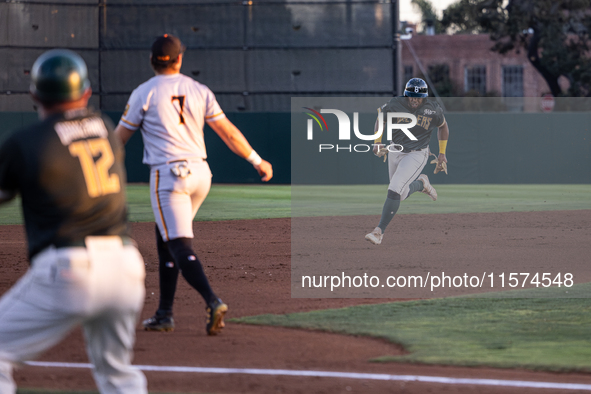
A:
x,y
215,317
159,323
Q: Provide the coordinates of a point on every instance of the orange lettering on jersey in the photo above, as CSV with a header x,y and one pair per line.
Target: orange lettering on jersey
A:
x,y
423,121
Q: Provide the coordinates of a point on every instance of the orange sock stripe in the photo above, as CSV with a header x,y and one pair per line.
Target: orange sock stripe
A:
x,y
157,183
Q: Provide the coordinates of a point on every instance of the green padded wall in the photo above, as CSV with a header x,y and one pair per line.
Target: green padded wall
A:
x,y
504,148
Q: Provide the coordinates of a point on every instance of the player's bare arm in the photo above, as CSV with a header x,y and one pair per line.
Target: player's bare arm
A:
x,y
377,143
123,133
238,144
441,161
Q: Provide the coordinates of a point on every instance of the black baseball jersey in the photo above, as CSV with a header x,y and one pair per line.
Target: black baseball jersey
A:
x,y
70,173
429,118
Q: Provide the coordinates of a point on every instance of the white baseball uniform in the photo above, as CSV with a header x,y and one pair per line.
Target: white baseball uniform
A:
x,y
101,287
406,165
171,110
404,168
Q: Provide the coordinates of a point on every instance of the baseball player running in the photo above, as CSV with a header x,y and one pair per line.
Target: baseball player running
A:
x,y
69,171
170,108
406,157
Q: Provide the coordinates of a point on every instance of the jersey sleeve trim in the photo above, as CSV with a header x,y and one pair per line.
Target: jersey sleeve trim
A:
x,y
444,122
214,115
129,123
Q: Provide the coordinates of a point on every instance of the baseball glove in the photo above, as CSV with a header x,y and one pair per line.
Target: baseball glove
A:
x,y
438,166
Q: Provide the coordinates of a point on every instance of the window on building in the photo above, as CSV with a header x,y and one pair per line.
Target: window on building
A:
x,y
438,72
475,79
407,73
513,87
439,75
512,81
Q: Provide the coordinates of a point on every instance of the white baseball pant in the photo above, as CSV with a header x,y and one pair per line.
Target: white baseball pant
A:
x,y
101,287
176,198
404,168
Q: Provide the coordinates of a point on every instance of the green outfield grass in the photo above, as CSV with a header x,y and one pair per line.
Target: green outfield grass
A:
x,y
534,333
226,202
369,199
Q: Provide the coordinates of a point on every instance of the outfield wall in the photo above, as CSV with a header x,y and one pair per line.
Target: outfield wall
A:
x,y
504,148
484,148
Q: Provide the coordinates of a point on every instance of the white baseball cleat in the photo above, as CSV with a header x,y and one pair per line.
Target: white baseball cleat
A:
x,y
427,188
375,237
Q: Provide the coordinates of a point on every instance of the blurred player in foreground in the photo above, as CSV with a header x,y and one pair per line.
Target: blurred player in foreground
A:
x,y
171,109
407,157
85,270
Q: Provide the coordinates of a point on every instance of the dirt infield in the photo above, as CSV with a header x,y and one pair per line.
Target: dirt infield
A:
x,y
248,263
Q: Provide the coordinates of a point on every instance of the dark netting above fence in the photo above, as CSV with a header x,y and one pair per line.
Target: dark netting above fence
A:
x,y
255,55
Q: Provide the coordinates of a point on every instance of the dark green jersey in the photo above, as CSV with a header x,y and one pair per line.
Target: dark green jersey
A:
x,y
69,171
429,118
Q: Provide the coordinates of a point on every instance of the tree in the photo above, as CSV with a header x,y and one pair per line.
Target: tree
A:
x,y
554,34
429,16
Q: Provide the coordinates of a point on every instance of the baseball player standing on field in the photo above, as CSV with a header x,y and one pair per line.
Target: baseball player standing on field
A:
x,y
407,157
171,108
69,172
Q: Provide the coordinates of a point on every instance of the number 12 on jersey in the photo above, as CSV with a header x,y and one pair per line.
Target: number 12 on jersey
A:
x,y
96,174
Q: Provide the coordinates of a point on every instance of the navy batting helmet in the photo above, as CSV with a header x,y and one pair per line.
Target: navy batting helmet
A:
x,y
416,87
59,75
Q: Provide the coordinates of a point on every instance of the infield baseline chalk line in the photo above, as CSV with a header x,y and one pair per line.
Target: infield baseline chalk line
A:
x,y
346,375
